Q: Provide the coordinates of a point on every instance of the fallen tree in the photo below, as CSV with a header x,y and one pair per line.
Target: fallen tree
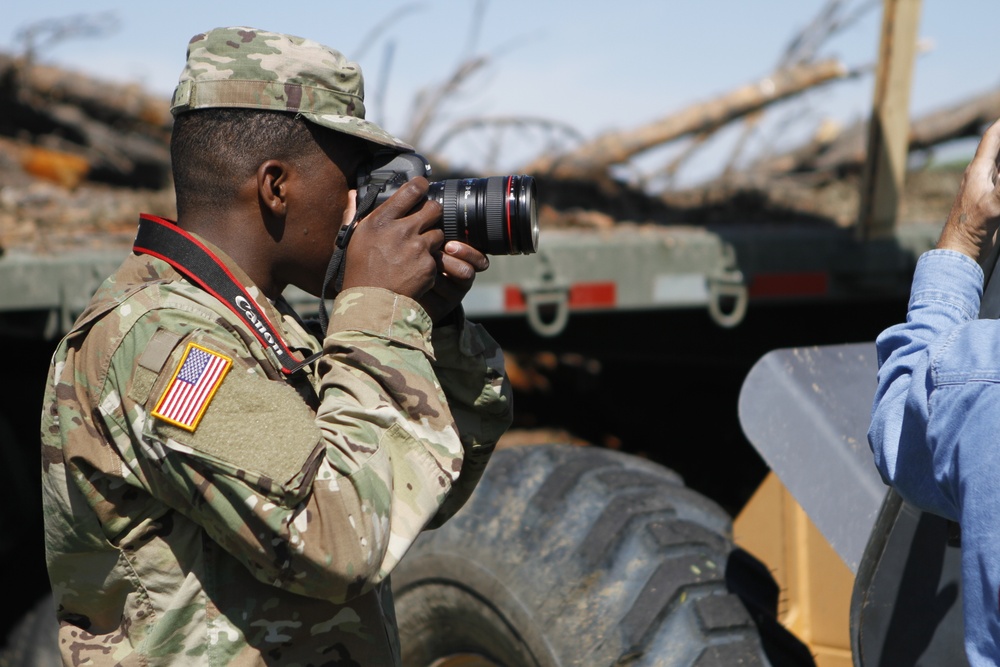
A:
x,y
844,152
593,159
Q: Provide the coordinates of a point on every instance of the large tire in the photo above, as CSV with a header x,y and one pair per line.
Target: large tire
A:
x,y
585,556
33,641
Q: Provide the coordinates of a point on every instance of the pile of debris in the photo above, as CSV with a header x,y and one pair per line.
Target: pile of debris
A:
x,y
79,157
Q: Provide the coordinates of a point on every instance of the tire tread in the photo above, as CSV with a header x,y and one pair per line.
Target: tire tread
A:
x,y
616,561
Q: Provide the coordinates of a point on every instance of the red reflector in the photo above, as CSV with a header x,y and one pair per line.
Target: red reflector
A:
x,y
789,284
581,295
588,295
513,298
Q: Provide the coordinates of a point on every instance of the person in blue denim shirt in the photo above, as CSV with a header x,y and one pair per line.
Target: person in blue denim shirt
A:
x,y
935,430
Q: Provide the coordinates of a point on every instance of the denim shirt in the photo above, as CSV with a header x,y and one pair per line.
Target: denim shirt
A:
x,y
935,429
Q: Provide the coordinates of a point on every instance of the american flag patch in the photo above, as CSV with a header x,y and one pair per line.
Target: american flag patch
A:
x,y
195,381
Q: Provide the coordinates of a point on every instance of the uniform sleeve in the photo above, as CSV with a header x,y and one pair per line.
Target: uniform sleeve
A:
x,y
470,366
322,504
913,442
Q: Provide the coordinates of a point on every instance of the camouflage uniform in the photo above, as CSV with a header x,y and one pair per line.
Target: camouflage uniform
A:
x,y
265,533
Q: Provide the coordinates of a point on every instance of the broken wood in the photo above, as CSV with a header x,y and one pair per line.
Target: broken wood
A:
x,y
110,103
960,121
121,131
887,146
65,169
593,159
845,152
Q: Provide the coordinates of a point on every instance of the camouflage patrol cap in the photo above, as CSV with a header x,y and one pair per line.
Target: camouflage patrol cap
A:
x,y
255,69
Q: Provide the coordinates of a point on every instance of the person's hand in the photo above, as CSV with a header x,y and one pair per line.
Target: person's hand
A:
x,y
458,265
972,224
396,246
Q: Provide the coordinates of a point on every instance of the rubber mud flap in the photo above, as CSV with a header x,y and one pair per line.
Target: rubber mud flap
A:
x,y
571,555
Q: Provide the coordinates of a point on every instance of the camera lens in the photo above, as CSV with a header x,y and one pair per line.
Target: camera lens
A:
x,y
496,215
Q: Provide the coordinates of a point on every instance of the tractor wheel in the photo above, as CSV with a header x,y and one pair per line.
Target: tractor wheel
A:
x,y
33,641
585,556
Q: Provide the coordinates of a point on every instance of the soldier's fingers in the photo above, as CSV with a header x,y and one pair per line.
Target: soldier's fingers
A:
x,y
455,269
403,200
427,216
434,238
466,253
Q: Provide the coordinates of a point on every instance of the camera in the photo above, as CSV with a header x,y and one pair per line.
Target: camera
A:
x,y
495,215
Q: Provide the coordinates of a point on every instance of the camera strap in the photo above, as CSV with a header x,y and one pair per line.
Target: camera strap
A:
x,y
163,239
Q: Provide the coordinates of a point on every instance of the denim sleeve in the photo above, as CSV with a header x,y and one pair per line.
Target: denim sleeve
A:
x,y
935,429
905,432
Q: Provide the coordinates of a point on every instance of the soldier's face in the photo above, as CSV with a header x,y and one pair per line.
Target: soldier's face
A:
x,y
317,211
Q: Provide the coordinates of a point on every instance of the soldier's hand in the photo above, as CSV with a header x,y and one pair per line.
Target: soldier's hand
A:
x,y
396,246
458,265
972,224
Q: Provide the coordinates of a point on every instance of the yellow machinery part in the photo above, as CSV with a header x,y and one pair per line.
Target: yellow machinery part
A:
x,y
815,583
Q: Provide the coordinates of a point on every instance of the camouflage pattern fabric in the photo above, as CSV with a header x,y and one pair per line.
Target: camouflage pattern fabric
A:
x,y
267,534
256,69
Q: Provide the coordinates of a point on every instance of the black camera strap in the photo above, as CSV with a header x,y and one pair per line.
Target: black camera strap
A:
x,y
163,239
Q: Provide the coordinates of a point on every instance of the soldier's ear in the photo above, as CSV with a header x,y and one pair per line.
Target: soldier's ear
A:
x,y
272,187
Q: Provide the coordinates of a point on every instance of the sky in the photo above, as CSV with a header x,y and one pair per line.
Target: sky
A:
x,y
584,67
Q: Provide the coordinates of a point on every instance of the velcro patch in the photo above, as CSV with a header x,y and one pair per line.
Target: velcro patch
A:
x,y
198,376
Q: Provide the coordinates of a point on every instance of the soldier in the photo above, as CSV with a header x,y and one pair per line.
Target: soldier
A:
x,y
220,485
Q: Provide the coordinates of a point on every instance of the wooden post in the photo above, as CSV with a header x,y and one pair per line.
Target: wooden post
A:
x,y
888,131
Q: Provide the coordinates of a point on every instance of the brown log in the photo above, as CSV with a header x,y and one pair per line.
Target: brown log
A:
x,y
111,103
846,153
120,131
116,155
593,159
803,157
65,169
965,119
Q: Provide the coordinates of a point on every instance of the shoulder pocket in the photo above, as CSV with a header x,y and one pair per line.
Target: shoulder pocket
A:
x,y
234,418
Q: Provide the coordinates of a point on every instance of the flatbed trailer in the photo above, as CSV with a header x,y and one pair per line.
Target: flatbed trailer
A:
x,y
724,271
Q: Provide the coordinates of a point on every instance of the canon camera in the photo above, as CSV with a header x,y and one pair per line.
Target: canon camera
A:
x,y
495,215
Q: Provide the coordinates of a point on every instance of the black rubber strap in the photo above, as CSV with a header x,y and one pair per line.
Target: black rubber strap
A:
x,y
163,239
